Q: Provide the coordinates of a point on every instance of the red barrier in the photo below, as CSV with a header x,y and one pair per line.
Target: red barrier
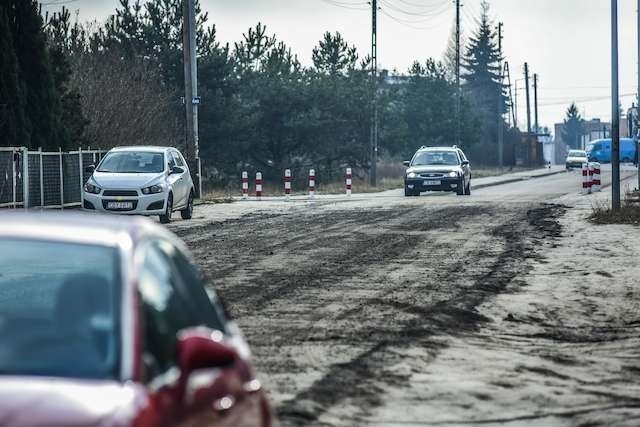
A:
x,y
259,185
349,181
245,185
312,183
287,183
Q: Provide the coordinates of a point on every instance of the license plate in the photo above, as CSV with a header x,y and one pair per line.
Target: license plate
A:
x,y
431,183
120,206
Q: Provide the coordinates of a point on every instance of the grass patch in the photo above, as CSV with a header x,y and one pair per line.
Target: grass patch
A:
x,y
629,212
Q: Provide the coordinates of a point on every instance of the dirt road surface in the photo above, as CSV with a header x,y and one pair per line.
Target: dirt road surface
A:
x,y
439,310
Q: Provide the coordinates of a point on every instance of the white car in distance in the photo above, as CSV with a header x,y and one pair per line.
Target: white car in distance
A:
x,y
141,181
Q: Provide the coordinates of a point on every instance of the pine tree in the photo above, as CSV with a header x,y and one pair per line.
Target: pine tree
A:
x,y
482,81
334,56
573,124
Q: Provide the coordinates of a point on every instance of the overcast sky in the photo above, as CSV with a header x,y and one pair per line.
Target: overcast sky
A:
x,y
567,42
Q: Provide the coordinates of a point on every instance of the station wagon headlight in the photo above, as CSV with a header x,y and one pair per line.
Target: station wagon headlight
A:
x,y
91,187
412,175
154,189
453,174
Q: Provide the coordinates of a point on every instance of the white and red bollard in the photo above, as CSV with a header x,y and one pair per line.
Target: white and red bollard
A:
x,y
596,184
259,185
287,183
349,182
586,178
312,183
245,185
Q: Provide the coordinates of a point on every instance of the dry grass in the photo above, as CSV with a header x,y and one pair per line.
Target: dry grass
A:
x,y
629,212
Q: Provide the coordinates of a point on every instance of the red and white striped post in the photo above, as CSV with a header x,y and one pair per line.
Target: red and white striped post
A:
x,y
312,183
596,184
287,183
590,177
245,185
349,183
586,180
259,185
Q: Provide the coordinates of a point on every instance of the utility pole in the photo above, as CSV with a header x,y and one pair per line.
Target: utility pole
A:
x,y
191,99
500,105
536,125
615,111
374,94
458,88
526,79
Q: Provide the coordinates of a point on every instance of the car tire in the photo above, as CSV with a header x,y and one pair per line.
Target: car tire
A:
x,y
187,213
626,160
467,189
166,218
410,193
460,190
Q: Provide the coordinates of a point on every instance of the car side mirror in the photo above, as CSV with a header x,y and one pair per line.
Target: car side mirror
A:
x,y
407,163
202,348
90,169
176,170
465,163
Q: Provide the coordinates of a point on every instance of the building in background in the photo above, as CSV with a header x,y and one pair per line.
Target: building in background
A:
x,y
591,130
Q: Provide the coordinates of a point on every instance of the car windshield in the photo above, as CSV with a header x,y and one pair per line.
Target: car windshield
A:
x,y
132,162
428,158
577,154
58,309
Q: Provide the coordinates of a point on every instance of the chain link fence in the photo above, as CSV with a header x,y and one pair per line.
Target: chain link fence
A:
x,y
31,179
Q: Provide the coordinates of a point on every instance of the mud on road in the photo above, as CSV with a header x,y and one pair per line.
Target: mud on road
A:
x,y
342,306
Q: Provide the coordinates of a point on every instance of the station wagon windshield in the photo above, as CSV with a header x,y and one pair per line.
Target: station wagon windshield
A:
x,y
132,162
434,158
58,310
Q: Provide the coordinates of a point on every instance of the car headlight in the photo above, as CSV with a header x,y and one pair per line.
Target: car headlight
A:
x,y
154,189
453,174
91,187
412,175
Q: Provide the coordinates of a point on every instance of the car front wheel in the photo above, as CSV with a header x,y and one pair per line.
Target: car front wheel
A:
x,y
166,218
187,213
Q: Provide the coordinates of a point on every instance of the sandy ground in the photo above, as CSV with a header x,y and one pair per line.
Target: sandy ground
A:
x,y
502,307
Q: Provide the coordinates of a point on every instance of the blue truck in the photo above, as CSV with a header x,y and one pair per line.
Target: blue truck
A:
x,y
600,150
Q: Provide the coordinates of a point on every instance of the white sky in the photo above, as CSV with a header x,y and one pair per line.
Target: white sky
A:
x,y
567,42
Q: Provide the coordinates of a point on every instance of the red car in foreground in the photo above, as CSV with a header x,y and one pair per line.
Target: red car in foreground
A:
x,y
105,322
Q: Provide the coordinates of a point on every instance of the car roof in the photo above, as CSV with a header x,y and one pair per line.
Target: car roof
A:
x,y
151,148
438,149
78,227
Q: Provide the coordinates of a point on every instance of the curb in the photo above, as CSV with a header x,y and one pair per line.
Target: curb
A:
x,y
512,180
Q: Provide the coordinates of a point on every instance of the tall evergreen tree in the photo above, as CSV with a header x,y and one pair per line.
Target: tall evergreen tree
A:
x,y
573,127
12,120
481,76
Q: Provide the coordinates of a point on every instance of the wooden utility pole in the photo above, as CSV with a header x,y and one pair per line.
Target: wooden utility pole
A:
x,y
536,124
526,80
373,174
191,99
500,104
458,87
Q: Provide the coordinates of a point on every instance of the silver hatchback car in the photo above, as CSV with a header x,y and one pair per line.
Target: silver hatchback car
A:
x,y
141,181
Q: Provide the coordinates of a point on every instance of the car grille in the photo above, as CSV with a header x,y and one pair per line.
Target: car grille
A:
x,y
120,193
432,175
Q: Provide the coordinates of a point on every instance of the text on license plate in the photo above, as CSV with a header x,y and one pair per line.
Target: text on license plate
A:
x,y
431,183
119,205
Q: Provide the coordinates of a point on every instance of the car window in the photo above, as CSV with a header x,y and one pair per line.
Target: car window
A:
x,y
171,161
205,303
166,310
132,162
59,309
177,159
462,156
433,158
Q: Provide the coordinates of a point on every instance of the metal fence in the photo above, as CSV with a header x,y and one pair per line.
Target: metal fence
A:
x,y
31,179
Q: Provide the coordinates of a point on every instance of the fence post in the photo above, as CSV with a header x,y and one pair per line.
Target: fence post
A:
x,y
80,163
25,177
41,179
61,182
14,181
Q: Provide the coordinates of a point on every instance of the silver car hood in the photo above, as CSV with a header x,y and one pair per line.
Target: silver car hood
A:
x,y
126,181
434,168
